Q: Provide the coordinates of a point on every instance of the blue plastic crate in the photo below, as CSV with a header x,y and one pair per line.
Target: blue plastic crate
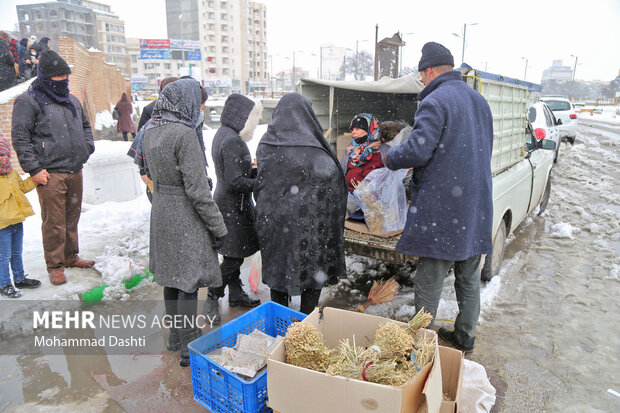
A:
x,y
221,391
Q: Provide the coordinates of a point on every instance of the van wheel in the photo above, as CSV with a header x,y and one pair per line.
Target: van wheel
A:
x,y
493,262
557,151
545,199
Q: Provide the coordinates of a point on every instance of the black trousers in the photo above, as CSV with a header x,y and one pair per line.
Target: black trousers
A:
x,y
309,299
231,270
133,135
178,302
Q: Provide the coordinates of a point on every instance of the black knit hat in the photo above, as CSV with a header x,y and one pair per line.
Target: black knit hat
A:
x,y
359,122
51,64
433,55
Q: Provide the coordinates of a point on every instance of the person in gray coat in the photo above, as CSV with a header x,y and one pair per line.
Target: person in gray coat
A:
x,y
233,195
186,224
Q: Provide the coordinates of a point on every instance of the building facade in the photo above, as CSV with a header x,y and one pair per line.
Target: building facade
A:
x,y
146,74
58,19
233,41
91,23
557,71
111,35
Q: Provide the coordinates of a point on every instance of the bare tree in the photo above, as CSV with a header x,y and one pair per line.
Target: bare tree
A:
x,y
409,71
359,65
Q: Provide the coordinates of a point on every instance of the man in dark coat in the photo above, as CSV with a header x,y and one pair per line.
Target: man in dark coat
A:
x,y
301,198
450,216
7,67
233,195
53,140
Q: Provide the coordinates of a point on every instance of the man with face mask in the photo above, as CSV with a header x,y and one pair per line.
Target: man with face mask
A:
x,y
53,140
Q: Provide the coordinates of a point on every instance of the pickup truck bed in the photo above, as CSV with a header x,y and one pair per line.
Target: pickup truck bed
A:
x,y
369,245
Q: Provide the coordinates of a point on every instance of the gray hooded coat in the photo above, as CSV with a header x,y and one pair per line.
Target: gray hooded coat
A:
x,y
301,199
184,218
235,176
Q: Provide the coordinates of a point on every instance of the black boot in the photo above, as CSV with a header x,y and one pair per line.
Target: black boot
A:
x,y
211,309
174,340
238,297
187,335
453,338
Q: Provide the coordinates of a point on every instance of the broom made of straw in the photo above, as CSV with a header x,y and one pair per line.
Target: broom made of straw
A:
x,y
381,292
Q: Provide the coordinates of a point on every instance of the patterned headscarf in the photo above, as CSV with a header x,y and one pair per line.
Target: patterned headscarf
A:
x,y
179,102
359,153
5,161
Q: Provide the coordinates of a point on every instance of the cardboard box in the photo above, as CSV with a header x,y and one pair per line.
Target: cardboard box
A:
x,y
452,367
293,389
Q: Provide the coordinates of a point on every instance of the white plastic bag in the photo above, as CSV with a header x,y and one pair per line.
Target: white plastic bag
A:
x,y
383,200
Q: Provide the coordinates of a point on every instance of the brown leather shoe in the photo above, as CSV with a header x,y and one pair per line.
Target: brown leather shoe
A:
x,y
80,263
57,276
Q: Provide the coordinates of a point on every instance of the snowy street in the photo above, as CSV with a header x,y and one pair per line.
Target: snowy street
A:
x,y
547,334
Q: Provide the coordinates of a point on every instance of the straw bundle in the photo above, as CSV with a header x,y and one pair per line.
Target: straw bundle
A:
x,y
424,350
381,292
389,372
392,338
345,361
421,320
305,347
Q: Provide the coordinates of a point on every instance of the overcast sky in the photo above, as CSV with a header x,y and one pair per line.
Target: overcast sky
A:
x,y
507,31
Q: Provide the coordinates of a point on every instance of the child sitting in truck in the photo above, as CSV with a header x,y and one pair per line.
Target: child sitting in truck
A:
x,y
361,156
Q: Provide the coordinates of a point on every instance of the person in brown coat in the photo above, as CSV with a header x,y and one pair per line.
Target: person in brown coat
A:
x,y
125,111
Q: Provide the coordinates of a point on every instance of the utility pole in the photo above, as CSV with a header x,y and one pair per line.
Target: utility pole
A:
x,y
182,45
525,74
293,76
575,68
376,52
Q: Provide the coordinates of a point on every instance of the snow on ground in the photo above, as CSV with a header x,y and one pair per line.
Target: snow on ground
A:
x,y
116,234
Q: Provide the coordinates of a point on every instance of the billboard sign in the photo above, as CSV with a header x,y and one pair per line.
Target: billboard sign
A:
x,y
193,55
218,82
139,79
154,43
187,44
155,54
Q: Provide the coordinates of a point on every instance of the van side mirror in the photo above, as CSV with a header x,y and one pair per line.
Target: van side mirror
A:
x,y
547,144
558,122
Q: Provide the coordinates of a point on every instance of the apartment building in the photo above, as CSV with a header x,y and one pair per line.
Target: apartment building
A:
x,y
233,41
91,23
58,19
147,73
111,33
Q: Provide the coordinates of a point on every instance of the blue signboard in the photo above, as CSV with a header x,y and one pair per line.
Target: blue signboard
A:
x,y
193,55
155,54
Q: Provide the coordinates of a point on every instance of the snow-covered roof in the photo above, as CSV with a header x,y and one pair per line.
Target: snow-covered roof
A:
x,y
405,84
10,93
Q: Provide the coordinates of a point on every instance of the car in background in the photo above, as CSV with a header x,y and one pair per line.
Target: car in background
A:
x,y
545,124
154,96
564,110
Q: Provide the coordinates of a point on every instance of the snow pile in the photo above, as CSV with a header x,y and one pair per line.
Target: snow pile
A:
x,y
564,230
104,119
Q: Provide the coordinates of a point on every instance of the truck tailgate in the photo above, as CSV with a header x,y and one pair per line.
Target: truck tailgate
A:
x,y
372,246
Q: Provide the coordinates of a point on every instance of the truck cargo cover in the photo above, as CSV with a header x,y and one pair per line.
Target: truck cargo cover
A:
x,y
406,84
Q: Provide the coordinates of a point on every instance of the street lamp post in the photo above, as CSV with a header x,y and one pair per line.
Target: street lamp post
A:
x,y
575,67
464,37
182,45
400,59
525,74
